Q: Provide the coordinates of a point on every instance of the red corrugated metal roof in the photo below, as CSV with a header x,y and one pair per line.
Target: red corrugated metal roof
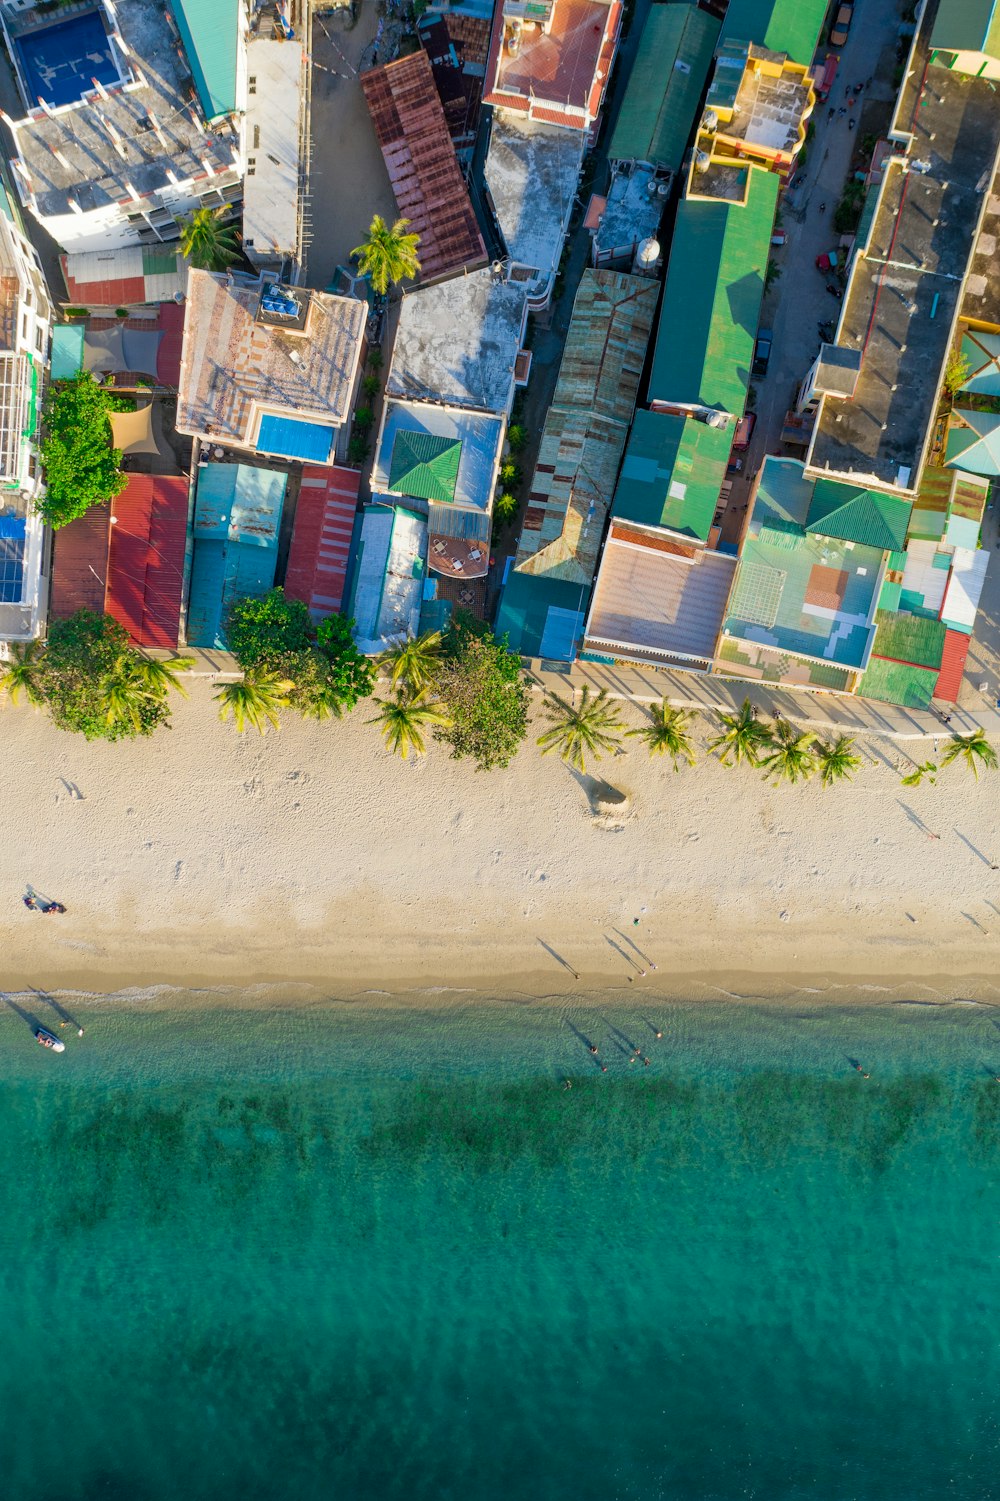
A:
x,y
321,538
170,322
423,169
146,568
80,564
956,649
119,292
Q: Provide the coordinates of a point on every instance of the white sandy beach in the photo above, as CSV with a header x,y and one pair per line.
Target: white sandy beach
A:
x,y
205,858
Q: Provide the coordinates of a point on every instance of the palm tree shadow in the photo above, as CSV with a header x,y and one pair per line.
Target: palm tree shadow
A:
x,y
29,1019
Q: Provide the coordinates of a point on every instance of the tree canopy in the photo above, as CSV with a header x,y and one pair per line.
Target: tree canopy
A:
x,y
207,241
81,466
481,686
324,673
388,254
94,682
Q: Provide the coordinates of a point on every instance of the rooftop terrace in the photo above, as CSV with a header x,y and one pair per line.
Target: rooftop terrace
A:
x,y
123,144
799,591
905,288
532,172
241,362
566,64
271,188
457,342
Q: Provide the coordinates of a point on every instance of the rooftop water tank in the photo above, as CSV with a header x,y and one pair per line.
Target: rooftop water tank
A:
x,y
648,253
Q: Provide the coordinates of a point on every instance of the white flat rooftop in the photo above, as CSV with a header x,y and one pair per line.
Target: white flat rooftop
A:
x,y
274,107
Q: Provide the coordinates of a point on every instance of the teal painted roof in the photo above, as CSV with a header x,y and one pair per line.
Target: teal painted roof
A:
x,y
672,473
966,26
210,32
981,353
711,303
665,86
783,493
974,442
866,517
789,26
67,350
542,616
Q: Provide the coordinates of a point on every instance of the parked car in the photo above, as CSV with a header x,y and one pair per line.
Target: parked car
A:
x,y
744,432
761,352
842,25
827,74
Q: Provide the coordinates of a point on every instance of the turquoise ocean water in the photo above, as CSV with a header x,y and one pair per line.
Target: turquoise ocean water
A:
x,y
348,1252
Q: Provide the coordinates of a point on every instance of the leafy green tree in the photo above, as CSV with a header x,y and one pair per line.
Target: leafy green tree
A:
x,y
207,241
975,750
668,734
371,386
956,372
389,254
95,682
261,632
837,762
414,661
590,728
510,473
482,686
404,719
743,737
81,467
926,769
517,438
791,757
24,673
350,675
255,700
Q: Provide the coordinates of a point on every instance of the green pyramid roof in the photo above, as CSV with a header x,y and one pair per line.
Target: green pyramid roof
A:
x,y
974,442
424,465
867,517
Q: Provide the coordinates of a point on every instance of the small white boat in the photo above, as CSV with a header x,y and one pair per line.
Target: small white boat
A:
x,y
47,1039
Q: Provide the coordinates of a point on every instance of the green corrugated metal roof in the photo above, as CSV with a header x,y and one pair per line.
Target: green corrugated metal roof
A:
x,y
210,32
711,304
665,86
915,639
894,683
864,516
672,473
424,465
963,25
783,493
789,26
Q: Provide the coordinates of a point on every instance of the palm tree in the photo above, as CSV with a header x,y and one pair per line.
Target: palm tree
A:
x,y
592,728
668,734
974,749
323,703
743,738
837,762
404,718
414,660
926,769
388,254
125,698
255,700
792,756
23,673
208,243
159,677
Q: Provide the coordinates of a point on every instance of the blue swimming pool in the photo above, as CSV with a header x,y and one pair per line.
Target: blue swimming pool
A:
x,y
60,62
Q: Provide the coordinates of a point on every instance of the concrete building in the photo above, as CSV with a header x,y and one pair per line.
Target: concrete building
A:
x,y
550,60
275,151
458,343
116,141
268,369
757,109
531,175
387,581
25,329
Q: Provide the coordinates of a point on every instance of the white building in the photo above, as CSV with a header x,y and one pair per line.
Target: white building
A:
x,y
25,328
131,116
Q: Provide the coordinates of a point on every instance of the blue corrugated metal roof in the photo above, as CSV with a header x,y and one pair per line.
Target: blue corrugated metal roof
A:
x,y
293,439
239,502
210,32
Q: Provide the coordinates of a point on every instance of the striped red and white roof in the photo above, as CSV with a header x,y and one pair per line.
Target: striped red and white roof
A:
x,y
321,537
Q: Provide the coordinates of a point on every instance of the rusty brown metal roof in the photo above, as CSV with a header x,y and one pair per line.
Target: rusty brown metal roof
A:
x,y
80,563
423,169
